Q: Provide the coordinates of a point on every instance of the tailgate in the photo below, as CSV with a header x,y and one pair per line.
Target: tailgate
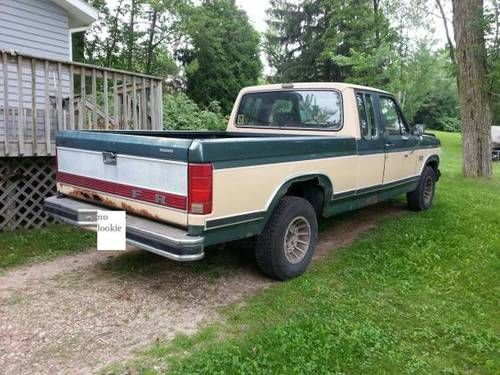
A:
x,y
143,175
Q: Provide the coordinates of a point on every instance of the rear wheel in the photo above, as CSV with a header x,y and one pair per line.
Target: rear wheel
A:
x,y
286,246
422,197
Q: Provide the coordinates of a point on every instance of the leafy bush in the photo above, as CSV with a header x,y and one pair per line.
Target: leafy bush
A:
x,y
449,124
181,113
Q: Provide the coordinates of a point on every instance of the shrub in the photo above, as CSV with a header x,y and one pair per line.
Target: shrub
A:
x,y
449,124
181,113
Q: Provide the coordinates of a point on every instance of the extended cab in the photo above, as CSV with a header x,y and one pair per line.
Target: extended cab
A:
x,y
292,153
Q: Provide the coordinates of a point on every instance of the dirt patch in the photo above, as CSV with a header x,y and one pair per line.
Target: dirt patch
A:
x,y
78,313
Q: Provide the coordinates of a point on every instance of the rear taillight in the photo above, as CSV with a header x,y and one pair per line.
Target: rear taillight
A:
x,y
200,189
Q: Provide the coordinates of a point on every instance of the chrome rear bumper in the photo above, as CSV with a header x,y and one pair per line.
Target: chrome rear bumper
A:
x,y
158,238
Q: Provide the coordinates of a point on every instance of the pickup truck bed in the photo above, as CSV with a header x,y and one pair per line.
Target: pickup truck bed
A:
x,y
205,146
139,165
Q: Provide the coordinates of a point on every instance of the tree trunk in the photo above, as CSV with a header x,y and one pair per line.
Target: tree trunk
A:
x,y
473,87
150,46
112,39
131,35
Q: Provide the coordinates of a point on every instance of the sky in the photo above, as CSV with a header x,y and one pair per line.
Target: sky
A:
x,y
256,10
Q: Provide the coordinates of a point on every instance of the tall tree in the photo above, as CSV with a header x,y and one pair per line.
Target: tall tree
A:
x,y
113,22
473,88
451,47
131,33
164,20
329,40
153,19
493,44
136,35
222,55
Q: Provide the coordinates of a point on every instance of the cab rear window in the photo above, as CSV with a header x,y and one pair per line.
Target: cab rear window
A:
x,y
300,109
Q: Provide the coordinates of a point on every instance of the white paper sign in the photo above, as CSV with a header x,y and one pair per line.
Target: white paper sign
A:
x,y
111,230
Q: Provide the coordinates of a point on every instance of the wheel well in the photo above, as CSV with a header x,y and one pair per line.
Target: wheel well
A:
x,y
311,190
434,164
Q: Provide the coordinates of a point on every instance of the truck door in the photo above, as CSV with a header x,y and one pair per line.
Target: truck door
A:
x,y
400,156
371,144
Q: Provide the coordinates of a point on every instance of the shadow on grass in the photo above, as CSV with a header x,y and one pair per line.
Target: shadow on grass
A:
x,y
237,256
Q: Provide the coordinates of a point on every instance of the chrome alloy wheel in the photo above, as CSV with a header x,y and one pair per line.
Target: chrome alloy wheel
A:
x,y
428,190
297,239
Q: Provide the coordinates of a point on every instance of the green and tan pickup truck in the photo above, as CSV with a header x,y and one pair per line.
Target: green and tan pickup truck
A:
x,y
291,154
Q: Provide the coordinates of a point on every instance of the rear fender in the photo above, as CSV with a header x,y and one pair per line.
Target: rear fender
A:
x,y
320,179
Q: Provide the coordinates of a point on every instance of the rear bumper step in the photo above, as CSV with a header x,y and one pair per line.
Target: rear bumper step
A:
x,y
158,238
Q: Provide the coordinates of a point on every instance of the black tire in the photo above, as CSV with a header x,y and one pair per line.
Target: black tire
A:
x,y
270,253
421,198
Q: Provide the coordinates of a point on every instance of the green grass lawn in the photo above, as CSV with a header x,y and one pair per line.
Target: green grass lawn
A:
x,y
420,294
24,246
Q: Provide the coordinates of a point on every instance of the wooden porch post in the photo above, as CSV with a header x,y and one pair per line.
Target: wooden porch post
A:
x,y
48,146
33,106
20,109
6,100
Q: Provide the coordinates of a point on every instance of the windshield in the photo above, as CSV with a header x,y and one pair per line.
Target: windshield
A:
x,y
302,109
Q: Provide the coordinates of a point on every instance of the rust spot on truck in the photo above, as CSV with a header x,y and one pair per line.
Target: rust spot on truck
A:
x,y
90,196
101,199
154,212
139,212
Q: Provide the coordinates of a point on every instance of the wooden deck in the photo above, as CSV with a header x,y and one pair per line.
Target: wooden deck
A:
x,y
40,96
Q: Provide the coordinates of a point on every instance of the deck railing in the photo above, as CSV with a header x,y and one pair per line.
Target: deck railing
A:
x,y
39,96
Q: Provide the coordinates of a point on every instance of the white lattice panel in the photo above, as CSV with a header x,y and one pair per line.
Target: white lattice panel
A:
x,y
24,183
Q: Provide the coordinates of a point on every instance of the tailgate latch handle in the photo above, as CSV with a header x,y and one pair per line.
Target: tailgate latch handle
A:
x,y
109,158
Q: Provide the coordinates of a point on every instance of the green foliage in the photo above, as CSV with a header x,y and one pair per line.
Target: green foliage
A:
x,y
25,246
329,40
427,89
448,124
181,113
418,295
224,53
119,40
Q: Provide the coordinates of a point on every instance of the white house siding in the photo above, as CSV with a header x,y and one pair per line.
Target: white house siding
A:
x,y
34,27
38,28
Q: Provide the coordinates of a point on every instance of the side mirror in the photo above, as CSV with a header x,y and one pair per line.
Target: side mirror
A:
x,y
419,129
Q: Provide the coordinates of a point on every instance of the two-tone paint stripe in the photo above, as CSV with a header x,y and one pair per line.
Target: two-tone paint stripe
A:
x,y
374,188
123,190
234,220
346,195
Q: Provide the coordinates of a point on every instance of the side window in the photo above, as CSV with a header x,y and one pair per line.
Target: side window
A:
x,y
370,108
393,122
367,116
363,118
390,116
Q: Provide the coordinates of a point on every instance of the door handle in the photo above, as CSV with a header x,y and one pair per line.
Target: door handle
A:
x,y
389,144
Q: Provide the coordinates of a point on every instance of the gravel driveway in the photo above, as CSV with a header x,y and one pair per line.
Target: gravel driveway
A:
x,y
79,313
